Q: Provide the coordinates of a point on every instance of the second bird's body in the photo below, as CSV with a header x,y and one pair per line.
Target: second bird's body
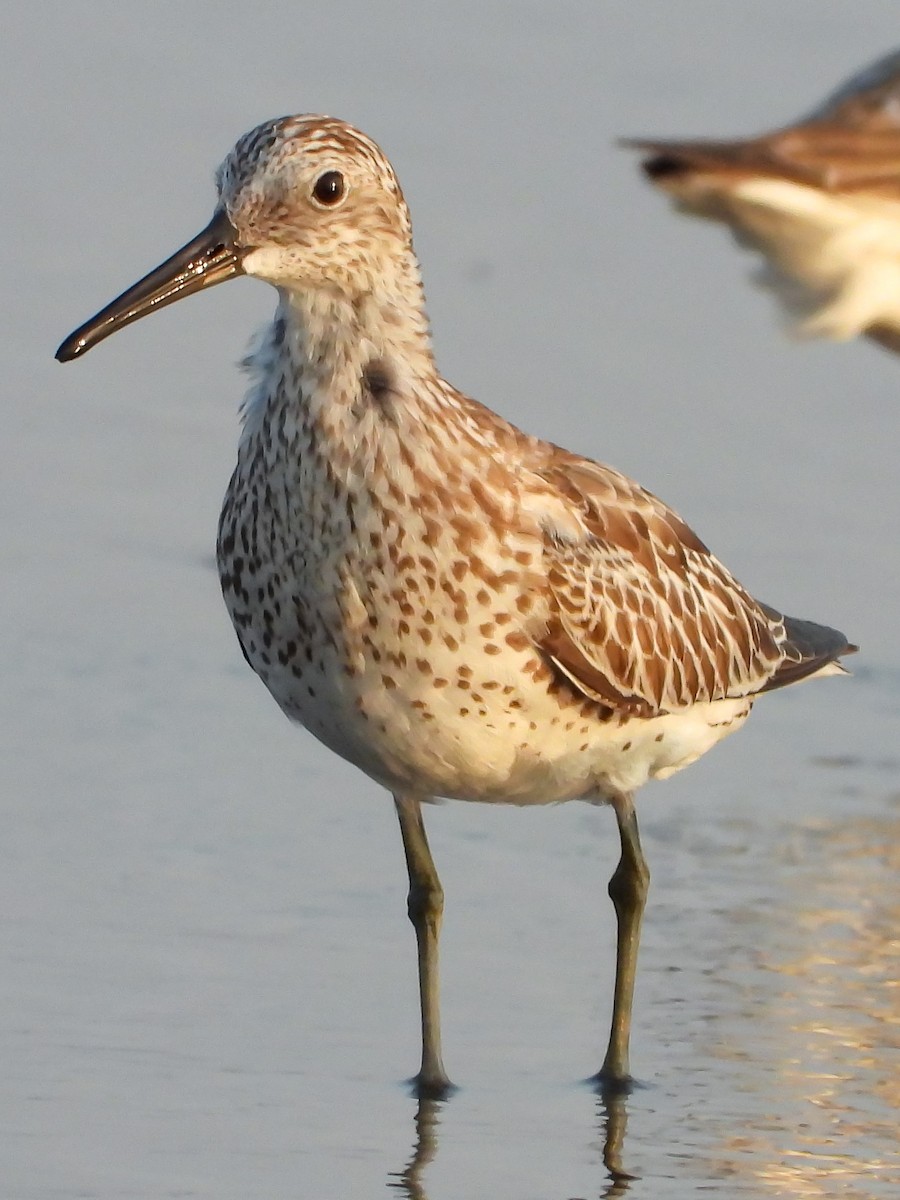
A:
x,y
819,199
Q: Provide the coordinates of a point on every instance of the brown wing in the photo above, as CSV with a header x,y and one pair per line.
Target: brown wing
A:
x,y
816,155
849,143
646,620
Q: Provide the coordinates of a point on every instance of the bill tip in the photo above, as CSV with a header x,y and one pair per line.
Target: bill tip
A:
x,y
69,349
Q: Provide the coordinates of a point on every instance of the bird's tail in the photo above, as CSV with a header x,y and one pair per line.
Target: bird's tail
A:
x,y
809,649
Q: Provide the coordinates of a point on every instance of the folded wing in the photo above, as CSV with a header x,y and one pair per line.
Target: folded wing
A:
x,y
645,619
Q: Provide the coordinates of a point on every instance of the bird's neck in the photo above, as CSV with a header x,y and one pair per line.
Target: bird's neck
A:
x,y
339,332
336,364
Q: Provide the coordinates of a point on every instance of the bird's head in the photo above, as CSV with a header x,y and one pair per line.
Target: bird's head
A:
x,y
307,203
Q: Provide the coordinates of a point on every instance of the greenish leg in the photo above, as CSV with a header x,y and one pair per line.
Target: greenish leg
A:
x,y
425,905
628,891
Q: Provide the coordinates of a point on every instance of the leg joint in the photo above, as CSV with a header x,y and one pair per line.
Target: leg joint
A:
x,y
424,900
630,882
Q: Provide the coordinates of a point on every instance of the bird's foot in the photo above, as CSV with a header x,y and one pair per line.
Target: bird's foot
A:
x,y
608,1084
431,1086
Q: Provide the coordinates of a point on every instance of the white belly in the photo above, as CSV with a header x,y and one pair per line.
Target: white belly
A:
x,y
484,744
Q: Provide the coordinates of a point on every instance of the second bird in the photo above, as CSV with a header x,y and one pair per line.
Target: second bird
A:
x,y
820,200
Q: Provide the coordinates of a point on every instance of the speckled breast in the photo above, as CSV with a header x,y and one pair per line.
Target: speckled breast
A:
x,y
399,654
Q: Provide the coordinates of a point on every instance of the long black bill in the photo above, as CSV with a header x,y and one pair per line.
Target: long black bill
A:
x,y
210,258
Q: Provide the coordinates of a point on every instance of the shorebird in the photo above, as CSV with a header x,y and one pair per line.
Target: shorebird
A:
x,y
819,199
459,609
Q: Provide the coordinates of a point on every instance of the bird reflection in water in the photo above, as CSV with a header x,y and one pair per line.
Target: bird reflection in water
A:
x,y
408,1182
612,1112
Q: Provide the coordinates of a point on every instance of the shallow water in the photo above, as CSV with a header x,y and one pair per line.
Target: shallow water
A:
x,y
208,984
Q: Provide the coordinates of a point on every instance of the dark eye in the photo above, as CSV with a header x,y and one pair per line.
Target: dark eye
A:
x,y
329,188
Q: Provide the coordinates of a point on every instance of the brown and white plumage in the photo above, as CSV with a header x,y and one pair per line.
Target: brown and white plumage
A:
x,y
820,199
456,607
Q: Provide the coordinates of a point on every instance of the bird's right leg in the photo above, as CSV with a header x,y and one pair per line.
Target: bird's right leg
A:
x,y
425,905
628,892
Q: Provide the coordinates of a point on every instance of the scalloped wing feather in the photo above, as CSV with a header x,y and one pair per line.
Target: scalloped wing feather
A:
x,y
647,621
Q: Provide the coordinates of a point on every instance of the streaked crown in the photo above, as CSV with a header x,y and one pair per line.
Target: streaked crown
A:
x,y
315,201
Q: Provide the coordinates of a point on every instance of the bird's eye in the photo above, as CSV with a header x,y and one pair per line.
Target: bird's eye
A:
x,y
329,188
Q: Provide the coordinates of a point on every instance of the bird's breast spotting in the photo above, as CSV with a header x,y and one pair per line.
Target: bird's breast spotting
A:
x,y
385,635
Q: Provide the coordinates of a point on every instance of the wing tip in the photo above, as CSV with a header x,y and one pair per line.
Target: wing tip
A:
x,y
811,651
